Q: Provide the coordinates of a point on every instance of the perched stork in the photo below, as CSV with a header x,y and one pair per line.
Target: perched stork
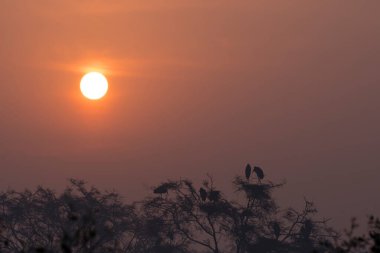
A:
x,y
203,194
277,230
306,229
248,171
214,196
259,172
165,187
161,189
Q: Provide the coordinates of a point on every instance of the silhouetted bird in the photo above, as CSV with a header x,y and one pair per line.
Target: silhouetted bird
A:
x,y
214,195
165,187
307,229
277,230
259,172
203,194
161,189
248,171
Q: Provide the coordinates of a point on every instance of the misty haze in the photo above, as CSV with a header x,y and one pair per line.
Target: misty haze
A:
x,y
189,126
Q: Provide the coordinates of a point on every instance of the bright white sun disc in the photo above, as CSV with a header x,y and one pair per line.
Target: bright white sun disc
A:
x,y
94,85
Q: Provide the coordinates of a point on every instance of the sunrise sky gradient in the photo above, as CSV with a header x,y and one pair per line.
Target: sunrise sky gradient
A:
x,y
195,87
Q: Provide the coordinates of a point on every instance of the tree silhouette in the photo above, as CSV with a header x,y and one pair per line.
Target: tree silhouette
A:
x,y
352,243
78,220
179,217
254,224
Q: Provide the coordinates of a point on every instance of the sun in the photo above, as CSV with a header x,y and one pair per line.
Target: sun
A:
x,y
94,85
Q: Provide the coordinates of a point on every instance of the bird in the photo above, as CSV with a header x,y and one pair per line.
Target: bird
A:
x,y
248,170
214,195
203,194
259,172
161,189
165,187
306,229
277,230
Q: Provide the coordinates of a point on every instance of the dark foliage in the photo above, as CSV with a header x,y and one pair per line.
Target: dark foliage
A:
x,y
367,243
178,217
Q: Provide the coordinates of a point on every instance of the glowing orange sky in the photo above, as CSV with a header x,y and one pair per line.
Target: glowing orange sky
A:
x,y
195,87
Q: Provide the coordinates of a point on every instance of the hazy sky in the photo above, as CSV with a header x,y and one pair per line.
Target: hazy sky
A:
x,y
196,87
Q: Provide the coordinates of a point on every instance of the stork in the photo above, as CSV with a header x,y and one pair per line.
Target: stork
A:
x,y
214,195
277,230
203,194
306,229
161,189
248,171
259,173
